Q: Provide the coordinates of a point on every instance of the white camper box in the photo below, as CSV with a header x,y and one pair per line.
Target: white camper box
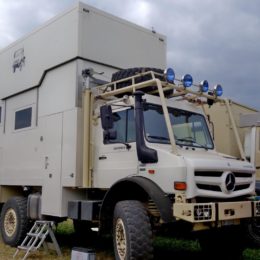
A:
x,y
41,83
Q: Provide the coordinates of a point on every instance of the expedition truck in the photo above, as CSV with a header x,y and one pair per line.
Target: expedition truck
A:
x,y
126,150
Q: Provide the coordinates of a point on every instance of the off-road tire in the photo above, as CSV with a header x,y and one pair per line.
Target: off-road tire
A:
x,y
14,223
122,74
82,228
132,232
225,243
251,228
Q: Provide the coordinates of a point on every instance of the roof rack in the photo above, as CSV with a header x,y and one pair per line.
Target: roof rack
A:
x,y
154,79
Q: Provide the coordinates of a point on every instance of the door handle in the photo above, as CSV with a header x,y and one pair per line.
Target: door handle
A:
x,y
103,157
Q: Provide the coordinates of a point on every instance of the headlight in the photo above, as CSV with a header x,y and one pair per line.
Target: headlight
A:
x,y
187,80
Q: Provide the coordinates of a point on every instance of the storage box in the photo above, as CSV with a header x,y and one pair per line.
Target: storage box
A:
x,y
79,253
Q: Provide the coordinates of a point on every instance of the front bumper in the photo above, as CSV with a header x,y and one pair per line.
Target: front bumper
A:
x,y
209,212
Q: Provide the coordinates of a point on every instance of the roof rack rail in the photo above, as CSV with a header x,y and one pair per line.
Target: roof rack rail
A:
x,y
131,84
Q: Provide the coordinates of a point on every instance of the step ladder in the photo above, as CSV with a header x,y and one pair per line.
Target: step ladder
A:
x,y
36,238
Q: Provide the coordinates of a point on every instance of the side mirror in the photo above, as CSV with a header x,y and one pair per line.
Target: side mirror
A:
x,y
109,135
106,117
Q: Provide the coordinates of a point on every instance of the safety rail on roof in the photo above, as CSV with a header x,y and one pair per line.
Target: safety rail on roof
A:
x,y
161,85
133,83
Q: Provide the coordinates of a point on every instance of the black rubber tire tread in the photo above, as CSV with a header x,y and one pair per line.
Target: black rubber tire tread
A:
x,y
19,205
137,227
122,74
225,243
82,228
251,228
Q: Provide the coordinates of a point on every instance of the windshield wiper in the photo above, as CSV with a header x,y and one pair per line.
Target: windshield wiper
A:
x,y
186,139
191,140
158,137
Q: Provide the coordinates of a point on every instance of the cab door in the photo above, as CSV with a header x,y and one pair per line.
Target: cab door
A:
x,y
117,158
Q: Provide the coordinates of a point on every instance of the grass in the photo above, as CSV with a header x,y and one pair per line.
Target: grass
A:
x,y
165,247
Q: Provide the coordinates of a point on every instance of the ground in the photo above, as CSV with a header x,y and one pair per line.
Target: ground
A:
x,y
165,248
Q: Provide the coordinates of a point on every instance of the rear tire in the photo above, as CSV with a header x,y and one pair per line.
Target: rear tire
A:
x,y
132,232
14,222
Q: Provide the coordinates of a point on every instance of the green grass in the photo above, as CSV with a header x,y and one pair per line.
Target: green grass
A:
x,y
65,227
167,243
251,254
162,245
165,247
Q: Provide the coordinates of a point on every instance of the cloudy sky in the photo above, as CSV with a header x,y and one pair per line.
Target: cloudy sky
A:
x,y
214,40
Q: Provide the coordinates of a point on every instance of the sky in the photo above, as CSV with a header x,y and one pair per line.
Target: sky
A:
x,y
214,40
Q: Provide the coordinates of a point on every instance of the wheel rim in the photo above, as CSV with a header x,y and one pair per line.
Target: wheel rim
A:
x,y
121,239
10,222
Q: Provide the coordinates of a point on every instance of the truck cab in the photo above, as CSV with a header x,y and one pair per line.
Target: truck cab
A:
x,y
196,166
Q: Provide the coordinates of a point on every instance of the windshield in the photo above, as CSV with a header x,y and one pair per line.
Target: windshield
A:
x,y
190,129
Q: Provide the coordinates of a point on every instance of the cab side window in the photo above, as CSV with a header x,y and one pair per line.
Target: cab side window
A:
x,y
119,119
124,125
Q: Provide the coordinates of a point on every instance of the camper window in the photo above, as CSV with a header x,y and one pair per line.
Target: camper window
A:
x,y
23,118
0,115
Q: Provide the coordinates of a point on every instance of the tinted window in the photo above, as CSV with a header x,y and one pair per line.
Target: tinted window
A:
x,y
0,114
190,129
130,135
124,124
23,118
120,126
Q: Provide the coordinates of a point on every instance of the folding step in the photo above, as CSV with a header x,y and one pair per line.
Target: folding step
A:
x,y
35,238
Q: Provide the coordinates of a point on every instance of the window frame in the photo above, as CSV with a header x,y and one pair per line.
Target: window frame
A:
x,y
168,142
32,123
126,128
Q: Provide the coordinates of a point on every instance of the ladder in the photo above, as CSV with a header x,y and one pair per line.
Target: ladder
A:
x,y
36,237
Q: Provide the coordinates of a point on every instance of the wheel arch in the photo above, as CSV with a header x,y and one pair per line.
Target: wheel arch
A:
x,y
134,188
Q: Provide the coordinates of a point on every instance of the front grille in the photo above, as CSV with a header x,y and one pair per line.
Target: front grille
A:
x,y
208,187
208,174
243,175
219,174
215,180
242,187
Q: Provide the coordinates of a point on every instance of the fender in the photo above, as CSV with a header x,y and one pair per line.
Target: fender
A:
x,y
137,188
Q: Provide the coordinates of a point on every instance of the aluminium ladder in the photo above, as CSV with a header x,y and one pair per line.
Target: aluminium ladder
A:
x,y
36,237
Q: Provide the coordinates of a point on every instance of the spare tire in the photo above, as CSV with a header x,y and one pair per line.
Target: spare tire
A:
x,y
126,73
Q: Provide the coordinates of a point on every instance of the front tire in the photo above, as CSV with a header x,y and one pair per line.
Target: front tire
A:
x,y
225,243
132,232
14,222
252,230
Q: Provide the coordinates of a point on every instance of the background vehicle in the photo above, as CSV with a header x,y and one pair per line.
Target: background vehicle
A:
x,y
236,131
